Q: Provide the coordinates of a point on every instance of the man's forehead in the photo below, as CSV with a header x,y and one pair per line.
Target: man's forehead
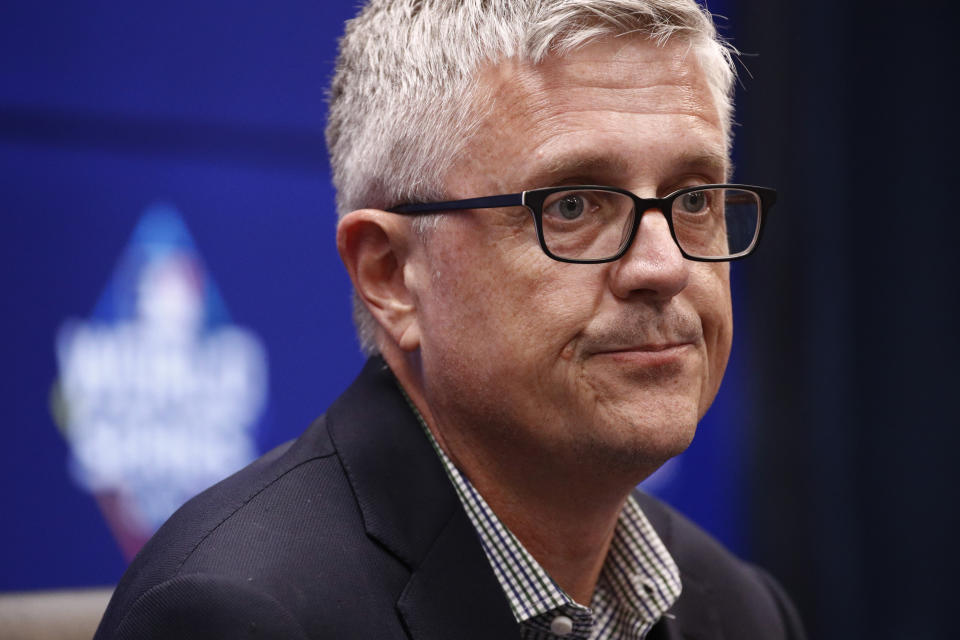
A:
x,y
603,67
565,115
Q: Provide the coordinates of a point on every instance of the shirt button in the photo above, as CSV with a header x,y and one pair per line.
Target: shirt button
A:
x,y
561,626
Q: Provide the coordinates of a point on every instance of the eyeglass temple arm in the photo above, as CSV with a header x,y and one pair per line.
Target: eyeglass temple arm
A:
x,y
487,202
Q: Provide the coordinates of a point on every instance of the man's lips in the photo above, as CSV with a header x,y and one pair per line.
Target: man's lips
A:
x,y
645,340
648,354
648,348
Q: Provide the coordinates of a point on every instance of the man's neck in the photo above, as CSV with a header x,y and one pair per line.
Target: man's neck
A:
x,y
567,535
563,514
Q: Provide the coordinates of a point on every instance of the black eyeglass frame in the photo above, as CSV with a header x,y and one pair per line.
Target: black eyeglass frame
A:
x,y
533,201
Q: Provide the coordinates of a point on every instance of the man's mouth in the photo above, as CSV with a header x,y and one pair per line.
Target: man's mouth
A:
x,y
665,349
648,348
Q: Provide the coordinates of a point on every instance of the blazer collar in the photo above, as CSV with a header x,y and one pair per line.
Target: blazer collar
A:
x,y
694,616
409,507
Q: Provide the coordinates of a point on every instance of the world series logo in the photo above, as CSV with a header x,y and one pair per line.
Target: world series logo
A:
x,y
159,395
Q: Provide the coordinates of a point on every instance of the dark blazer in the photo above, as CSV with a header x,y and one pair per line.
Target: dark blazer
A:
x,y
354,531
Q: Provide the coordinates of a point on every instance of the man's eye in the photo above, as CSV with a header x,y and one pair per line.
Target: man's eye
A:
x,y
693,202
569,207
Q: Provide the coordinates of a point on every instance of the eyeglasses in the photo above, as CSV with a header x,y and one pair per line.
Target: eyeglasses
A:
x,y
590,224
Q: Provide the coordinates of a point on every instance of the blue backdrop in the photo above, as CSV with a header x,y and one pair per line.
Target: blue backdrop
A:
x,y
213,115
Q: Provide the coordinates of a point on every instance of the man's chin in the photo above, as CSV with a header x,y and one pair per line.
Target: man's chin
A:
x,y
637,448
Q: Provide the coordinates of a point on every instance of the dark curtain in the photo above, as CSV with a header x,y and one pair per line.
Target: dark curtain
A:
x,y
851,308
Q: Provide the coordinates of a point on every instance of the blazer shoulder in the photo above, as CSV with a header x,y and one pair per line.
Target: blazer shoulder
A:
x,y
225,505
202,606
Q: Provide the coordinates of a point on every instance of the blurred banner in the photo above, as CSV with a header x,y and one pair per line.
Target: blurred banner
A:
x,y
175,302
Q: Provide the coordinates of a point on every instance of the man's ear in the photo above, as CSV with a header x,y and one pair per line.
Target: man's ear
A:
x,y
374,246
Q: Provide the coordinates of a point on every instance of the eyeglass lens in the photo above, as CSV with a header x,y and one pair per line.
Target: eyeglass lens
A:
x,y
590,224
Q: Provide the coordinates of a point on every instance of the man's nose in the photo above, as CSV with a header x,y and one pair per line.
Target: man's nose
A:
x,y
653,265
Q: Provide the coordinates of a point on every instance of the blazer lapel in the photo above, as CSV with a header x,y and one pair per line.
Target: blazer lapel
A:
x,y
409,506
453,593
692,617
401,488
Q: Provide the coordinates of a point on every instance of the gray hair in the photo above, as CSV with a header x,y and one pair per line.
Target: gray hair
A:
x,y
404,101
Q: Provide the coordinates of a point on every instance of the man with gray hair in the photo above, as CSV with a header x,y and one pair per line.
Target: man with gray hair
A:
x,y
537,218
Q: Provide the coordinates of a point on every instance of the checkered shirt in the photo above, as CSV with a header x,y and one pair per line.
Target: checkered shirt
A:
x,y
639,580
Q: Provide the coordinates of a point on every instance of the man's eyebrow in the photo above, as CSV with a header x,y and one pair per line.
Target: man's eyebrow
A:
x,y
610,168
713,164
577,166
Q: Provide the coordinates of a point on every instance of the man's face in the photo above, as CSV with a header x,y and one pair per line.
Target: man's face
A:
x,y
606,364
